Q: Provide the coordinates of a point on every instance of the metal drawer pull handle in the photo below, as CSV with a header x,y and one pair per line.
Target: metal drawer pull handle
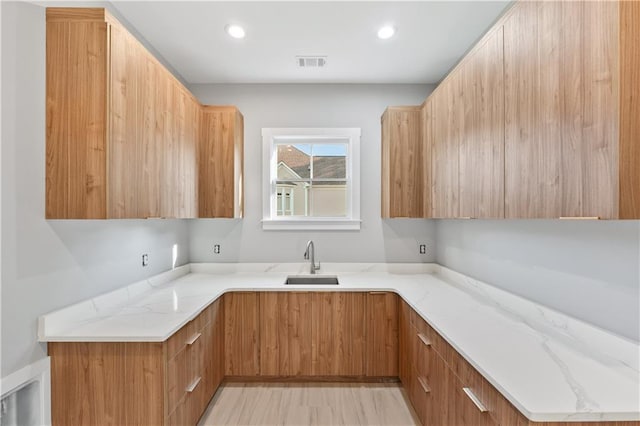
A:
x,y
193,385
424,339
580,217
472,396
423,383
378,292
193,339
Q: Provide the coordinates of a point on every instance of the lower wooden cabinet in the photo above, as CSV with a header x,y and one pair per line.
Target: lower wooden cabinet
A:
x,y
311,334
445,390
139,383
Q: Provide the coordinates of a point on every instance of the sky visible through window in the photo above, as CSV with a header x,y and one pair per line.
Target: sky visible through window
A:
x,y
323,149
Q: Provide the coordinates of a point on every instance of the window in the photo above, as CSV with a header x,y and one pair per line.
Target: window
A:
x,y
311,179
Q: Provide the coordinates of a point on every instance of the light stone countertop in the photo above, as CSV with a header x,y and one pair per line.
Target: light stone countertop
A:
x,y
550,366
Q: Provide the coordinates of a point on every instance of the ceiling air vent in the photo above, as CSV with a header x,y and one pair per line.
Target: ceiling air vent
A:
x,y
311,61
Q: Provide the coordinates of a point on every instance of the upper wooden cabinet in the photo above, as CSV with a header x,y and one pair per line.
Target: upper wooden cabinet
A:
x,y
121,130
540,119
123,134
572,102
221,162
468,138
404,169
481,154
448,114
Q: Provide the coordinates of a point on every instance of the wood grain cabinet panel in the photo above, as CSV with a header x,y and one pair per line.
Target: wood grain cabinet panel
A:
x,y
123,134
481,153
339,334
570,96
221,163
113,124
305,334
242,333
539,120
448,123
274,334
286,333
382,334
405,362
404,175
75,131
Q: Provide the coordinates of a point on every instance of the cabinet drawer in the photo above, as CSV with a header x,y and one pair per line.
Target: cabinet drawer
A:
x,y
207,316
437,342
179,339
177,378
179,415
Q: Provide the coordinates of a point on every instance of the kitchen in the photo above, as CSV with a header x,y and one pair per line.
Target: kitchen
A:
x,y
585,270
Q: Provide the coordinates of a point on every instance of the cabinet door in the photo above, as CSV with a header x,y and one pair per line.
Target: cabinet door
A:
x,y
76,120
448,123
188,177
338,334
534,109
242,334
427,158
285,333
482,140
403,160
170,161
152,98
382,334
274,336
219,148
124,121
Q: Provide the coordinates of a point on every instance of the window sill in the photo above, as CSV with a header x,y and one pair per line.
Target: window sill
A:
x,y
311,225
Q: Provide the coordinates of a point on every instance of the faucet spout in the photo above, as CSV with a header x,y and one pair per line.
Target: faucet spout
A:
x,y
309,254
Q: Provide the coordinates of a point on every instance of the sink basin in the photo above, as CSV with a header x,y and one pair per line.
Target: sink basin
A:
x,y
312,280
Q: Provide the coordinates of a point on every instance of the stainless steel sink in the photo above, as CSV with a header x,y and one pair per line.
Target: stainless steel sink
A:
x,y
312,280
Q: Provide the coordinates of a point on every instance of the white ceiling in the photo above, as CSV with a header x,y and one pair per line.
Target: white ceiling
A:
x,y
431,37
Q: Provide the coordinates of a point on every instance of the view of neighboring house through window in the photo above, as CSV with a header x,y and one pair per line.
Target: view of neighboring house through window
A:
x,y
312,179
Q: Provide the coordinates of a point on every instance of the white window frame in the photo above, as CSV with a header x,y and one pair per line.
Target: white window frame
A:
x,y
270,220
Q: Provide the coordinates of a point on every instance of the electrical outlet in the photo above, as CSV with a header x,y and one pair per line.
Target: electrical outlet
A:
x,y
145,259
216,249
423,249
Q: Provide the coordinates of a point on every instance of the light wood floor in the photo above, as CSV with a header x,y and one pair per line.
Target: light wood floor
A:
x,y
309,404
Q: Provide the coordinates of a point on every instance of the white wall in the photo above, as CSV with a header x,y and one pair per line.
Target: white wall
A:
x,y
50,264
325,105
589,270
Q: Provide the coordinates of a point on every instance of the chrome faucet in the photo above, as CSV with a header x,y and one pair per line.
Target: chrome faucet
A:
x,y
309,254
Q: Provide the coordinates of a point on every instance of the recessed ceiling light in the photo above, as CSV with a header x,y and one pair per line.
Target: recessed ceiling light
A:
x,y
235,31
386,32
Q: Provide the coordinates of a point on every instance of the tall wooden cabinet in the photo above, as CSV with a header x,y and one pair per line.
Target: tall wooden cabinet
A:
x,y
448,115
405,168
221,164
120,128
481,154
